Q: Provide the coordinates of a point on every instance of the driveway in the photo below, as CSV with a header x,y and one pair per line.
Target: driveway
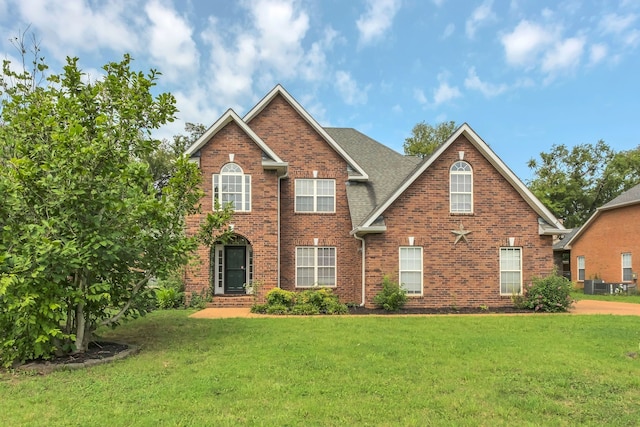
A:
x,y
581,307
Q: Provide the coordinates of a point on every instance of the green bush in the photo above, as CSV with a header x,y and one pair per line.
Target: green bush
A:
x,y
307,302
279,296
200,300
167,298
392,297
549,294
305,309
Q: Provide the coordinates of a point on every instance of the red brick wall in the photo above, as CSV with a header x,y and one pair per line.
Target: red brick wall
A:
x,y
259,226
297,143
465,274
611,234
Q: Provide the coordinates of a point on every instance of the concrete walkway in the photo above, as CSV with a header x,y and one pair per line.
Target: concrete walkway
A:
x,y
581,307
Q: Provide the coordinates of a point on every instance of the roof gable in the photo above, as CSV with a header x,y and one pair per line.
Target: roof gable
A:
x,y
484,149
228,117
358,173
628,198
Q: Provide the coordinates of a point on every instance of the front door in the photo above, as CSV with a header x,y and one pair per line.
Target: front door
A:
x,y
235,274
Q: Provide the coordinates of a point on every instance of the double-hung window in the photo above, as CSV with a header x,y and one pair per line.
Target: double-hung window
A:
x,y
461,188
627,274
231,185
411,269
315,195
510,271
580,262
315,266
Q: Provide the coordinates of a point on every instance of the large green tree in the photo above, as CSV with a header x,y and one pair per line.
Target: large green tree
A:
x,y
83,228
574,182
425,138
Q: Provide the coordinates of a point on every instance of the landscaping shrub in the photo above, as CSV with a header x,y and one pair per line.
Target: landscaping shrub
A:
x,y
392,297
279,296
169,293
307,302
549,294
200,300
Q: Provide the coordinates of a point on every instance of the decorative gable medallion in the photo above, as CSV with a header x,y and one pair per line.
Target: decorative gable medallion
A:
x,y
461,234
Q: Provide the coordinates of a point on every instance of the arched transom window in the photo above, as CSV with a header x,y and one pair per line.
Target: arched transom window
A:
x,y
461,187
231,185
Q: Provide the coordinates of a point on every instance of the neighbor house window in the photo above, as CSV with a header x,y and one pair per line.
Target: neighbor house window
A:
x,y
315,266
315,195
231,185
411,269
461,188
510,271
581,268
627,275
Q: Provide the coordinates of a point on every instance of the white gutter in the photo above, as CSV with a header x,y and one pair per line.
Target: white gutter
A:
x,y
364,246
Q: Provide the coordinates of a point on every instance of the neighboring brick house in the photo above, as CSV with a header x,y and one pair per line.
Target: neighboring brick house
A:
x,y
332,207
606,245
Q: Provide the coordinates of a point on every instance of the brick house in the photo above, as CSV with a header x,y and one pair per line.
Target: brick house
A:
x,y
605,246
332,207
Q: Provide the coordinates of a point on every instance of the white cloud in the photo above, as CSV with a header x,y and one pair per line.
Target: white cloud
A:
x,y
170,42
349,90
377,20
445,93
449,29
597,53
487,89
481,15
525,42
564,56
313,66
418,95
66,27
613,23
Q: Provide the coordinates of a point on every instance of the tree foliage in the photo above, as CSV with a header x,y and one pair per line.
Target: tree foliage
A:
x,y
83,228
425,139
574,182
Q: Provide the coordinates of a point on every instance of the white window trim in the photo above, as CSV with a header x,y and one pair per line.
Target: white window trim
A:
x,y
246,188
451,193
510,248
630,267
578,259
421,271
315,267
315,195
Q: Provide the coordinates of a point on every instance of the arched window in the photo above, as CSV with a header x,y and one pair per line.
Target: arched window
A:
x,y
231,185
461,188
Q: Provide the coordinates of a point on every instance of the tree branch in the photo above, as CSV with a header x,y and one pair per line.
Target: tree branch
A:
x,y
136,288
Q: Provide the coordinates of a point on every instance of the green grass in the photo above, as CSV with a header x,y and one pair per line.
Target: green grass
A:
x,y
579,294
342,371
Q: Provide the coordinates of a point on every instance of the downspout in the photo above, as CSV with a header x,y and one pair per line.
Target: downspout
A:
x,y
280,178
363,266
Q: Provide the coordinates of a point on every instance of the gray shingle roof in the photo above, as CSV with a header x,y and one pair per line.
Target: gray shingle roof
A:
x,y
561,244
630,196
386,169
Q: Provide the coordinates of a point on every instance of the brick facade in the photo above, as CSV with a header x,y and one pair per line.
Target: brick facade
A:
x,y
466,274
612,233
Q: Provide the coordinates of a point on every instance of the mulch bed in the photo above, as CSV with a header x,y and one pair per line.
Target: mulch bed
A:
x,y
97,353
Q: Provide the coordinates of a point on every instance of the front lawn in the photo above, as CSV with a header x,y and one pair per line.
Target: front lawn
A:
x,y
579,294
542,369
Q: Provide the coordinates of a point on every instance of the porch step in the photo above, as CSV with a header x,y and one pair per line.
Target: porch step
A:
x,y
231,301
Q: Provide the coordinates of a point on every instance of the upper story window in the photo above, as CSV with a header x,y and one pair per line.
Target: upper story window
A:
x,y
627,274
315,195
231,185
461,187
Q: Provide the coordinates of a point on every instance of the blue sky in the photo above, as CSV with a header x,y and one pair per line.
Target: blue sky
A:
x,y
525,74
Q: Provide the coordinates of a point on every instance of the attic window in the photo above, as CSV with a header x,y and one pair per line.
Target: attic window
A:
x,y
461,188
231,185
